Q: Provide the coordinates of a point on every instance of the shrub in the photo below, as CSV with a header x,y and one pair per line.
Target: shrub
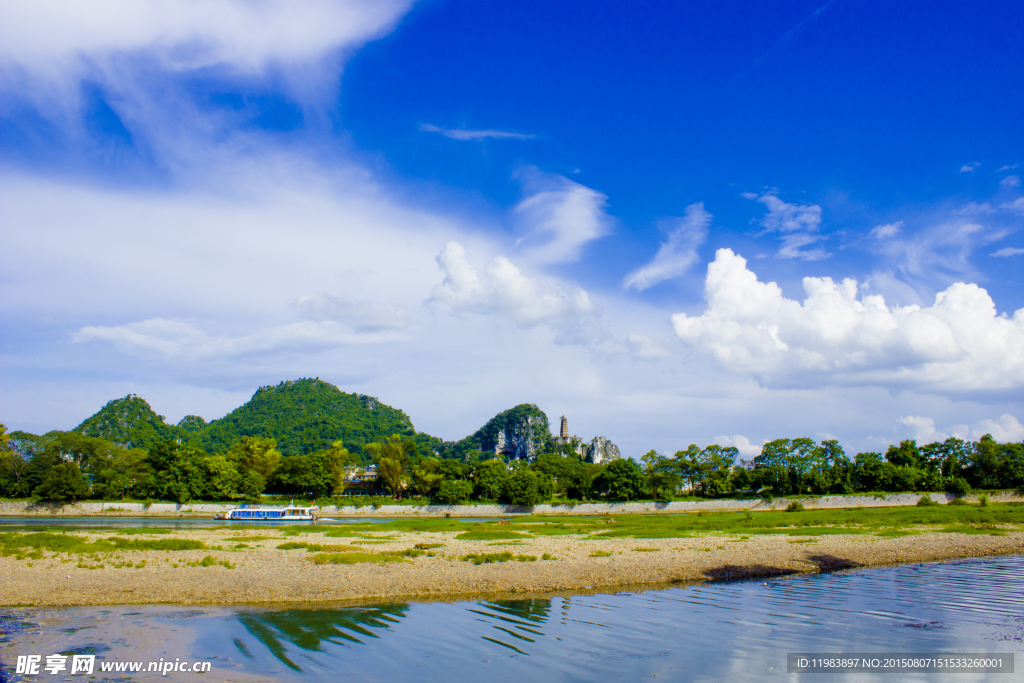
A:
x,y
926,501
958,501
983,500
795,506
958,486
487,558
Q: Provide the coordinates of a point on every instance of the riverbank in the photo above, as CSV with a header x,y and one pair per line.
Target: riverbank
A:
x,y
12,508
234,565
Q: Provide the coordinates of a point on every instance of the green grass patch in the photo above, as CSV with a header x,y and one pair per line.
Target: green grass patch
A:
x,y
601,553
408,552
141,530
548,556
428,546
646,550
354,558
14,543
491,535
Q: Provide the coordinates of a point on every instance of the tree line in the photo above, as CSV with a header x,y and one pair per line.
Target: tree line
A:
x,y
72,466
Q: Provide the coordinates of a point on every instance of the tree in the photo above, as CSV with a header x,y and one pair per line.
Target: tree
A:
x,y
522,488
123,472
223,479
392,459
179,471
425,476
453,492
623,479
663,474
63,482
906,454
13,468
255,453
489,479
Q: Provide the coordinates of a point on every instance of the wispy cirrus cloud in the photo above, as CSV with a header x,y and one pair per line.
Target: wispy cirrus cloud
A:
x,y
1008,251
970,167
677,253
469,134
797,225
559,217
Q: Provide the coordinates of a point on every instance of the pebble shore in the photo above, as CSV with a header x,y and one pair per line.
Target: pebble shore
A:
x,y
262,573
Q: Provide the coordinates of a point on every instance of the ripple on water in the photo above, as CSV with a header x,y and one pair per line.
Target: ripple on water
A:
x,y
717,631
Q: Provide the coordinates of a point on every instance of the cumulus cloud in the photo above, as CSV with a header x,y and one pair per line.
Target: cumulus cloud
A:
x,y
559,217
182,340
677,253
970,167
1008,251
796,224
958,344
500,288
747,449
466,134
1007,428
1010,181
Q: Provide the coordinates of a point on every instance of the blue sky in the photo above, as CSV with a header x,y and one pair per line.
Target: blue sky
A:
x,y
460,206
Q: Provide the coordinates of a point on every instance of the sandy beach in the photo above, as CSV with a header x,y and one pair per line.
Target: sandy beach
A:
x,y
262,573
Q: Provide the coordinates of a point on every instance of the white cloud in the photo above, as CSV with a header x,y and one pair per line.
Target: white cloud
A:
x,y
1008,251
677,253
970,167
958,344
361,316
643,347
1016,205
1010,181
1006,428
797,226
465,134
500,288
747,449
1007,167
38,34
559,217
884,232
181,340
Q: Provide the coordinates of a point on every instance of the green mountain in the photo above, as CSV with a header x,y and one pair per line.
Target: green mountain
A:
x,y
306,415
518,433
128,421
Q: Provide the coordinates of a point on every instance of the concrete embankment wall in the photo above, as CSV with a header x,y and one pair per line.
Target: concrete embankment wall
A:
x,y
89,508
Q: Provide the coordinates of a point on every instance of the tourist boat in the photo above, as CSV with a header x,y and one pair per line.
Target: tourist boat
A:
x,y
291,513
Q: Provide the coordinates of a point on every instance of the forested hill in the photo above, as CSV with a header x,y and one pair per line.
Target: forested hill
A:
x,y
128,421
303,415
307,415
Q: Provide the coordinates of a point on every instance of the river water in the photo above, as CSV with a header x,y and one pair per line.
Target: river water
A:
x,y
728,631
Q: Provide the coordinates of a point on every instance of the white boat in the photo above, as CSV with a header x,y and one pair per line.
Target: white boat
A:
x,y
291,513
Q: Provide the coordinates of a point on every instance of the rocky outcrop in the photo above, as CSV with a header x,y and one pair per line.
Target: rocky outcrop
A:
x,y
601,450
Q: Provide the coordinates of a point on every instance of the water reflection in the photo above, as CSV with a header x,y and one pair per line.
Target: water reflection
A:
x,y
309,629
711,632
519,619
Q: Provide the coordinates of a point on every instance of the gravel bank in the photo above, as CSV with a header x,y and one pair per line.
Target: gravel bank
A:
x,y
264,574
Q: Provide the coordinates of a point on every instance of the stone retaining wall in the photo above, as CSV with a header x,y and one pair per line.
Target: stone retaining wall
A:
x,y
90,508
